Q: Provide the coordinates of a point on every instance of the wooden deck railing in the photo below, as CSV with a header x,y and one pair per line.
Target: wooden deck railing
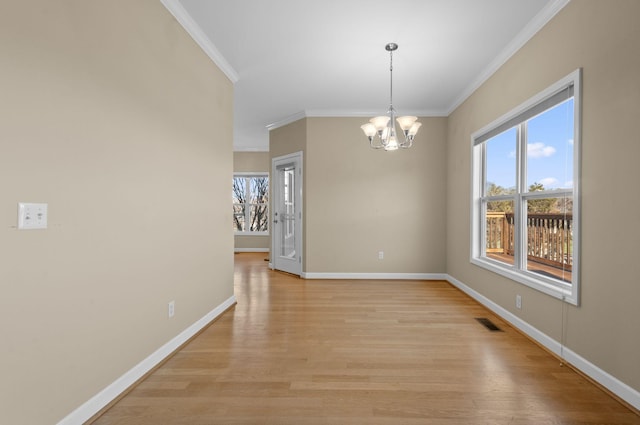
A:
x,y
549,237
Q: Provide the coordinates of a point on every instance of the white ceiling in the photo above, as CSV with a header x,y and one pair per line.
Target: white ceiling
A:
x,y
295,58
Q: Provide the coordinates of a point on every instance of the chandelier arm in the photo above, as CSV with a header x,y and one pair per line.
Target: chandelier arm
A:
x,y
375,143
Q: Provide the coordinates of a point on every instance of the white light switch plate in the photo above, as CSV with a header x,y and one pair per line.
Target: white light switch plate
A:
x,y
32,216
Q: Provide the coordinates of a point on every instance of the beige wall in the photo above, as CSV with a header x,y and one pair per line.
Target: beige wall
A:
x,y
603,39
288,139
114,117
251,162
360,201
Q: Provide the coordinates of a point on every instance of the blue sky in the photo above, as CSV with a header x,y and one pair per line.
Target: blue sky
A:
x,y
549,151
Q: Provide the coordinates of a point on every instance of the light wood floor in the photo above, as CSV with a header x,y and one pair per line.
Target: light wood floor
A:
x,y
300,352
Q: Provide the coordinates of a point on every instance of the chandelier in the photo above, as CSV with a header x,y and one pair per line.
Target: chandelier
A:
x,y
381,131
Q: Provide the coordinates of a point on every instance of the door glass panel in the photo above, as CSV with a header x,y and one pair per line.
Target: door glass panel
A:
x,y
287,233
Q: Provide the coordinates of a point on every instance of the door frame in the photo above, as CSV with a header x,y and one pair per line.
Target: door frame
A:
x,y
296,159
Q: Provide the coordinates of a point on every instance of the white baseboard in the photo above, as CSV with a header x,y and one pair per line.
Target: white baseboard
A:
x,y
613,384
120,385
374,276
251,250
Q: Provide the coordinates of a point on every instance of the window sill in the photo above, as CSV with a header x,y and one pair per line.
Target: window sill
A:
x,y
532,280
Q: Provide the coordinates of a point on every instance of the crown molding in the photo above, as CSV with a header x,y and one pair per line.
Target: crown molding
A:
x,y
535,25
286,120
193,29
341,113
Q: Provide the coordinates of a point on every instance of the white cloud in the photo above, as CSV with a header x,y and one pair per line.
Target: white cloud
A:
x,y
539,150
549,182
570,141
568,184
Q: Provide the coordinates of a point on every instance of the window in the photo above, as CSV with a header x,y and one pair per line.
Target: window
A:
x,y
250,203
526,169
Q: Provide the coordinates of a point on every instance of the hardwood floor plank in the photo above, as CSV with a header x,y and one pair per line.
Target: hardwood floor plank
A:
x,y
307,352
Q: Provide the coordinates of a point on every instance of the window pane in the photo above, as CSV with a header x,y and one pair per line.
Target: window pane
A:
x,y
250,199
501,163
550,149
500,231
238,218
550,237
239,190
259,190
259,218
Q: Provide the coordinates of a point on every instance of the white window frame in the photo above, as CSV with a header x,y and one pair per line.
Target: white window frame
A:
x,y
247,211
553,287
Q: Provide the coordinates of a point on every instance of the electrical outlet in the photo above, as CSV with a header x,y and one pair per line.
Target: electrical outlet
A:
x,y
380,255
172,308
518,301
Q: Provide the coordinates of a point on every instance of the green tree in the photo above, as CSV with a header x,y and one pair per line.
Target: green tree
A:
x,y
545,205
564,205
502,206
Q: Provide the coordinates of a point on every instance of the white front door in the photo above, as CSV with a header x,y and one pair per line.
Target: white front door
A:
x,y
287,213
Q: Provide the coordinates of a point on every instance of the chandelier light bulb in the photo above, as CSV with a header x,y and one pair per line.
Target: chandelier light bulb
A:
x,y
406,122
369,130
380,122
414,129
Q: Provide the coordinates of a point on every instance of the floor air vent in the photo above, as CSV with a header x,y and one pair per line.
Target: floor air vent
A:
x,y
488,324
